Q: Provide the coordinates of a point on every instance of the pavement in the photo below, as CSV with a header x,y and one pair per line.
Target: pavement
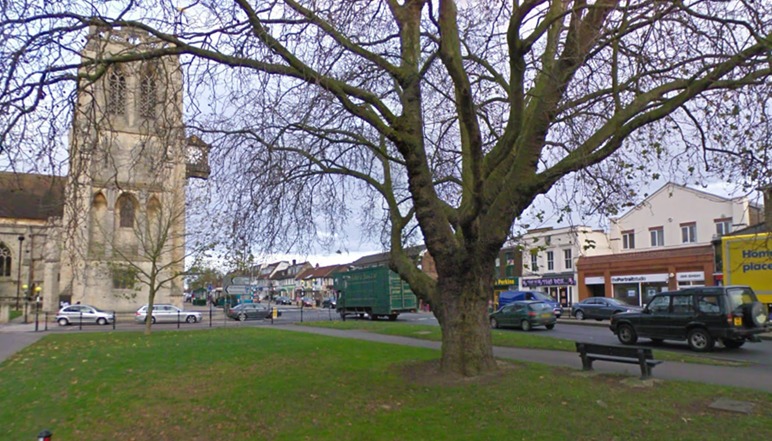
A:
x,y
16,336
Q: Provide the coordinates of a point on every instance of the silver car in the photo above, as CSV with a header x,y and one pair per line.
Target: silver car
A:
x,y
167,313
84,314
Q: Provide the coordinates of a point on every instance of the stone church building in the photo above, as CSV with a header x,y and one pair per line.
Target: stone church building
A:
x,y
117,220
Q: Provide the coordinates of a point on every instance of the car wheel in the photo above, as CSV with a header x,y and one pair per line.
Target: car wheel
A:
x,y
63,322
494,323
242,317
392,317
732,344
579,315
101,321
551,326
191,319
626,334
342,315
700,340
525,325
657,341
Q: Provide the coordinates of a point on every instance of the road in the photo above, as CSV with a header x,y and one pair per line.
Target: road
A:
x,y
597,332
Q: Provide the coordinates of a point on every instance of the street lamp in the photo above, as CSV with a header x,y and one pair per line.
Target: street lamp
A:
x,y
18,272
25,287
38,289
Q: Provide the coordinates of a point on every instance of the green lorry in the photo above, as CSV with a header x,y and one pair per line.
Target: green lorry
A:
x,y
377,292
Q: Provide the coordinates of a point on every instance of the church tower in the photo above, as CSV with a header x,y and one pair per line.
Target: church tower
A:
x,y
124,217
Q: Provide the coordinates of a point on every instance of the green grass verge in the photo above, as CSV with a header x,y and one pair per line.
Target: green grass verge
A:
x,y
14,314
504,338
269,384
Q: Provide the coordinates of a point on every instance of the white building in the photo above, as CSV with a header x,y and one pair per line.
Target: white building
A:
x,y
678,216
549,259
664,243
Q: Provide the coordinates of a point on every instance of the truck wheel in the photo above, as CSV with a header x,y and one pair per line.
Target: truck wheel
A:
x,y
373,317
700,340
343,316
392,317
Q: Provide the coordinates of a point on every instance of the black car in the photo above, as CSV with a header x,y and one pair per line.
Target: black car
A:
x,y
282,300
701,316
246,311
600,308
329,302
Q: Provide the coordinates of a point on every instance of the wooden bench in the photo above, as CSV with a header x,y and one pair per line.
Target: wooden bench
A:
x,y
643,357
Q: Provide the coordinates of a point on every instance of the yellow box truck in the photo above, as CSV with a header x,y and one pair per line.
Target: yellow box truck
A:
x,y
747,260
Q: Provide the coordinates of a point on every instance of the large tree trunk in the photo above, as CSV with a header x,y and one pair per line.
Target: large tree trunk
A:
x,y
462,311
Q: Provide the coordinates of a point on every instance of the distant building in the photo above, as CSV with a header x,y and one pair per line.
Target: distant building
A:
x,y
550,255
664,243
72,238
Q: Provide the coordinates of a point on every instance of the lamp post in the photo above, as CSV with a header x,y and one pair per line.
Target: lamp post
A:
x,y
38,289
25,287
18,273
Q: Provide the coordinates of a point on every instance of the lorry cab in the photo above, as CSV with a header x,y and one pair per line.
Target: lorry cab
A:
x,y
506,297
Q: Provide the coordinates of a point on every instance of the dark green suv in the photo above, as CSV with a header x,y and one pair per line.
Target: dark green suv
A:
x,y
701,316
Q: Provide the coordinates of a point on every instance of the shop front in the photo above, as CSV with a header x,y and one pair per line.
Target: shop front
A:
x,y
560,287
638,289
635,277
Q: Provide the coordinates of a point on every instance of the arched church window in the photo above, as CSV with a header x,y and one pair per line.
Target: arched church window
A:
x,y
5,261
126,207
116,92
148,92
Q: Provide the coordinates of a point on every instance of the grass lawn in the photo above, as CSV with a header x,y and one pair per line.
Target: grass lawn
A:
x,y
14,314
504,338
269,384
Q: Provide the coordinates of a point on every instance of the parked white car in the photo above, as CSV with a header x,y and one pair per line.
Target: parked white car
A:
x,y
84,314
163,313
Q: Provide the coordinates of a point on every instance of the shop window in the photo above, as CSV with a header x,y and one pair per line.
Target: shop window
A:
x,y
628,240
689,233
627,293
550,261
568,259
657,236
650,289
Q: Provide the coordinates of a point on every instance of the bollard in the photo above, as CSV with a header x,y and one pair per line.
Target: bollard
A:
x,y
178,319
80,322
45,435
46,320
115,319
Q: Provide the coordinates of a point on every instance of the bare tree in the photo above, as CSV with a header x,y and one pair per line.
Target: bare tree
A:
x,y
442,120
